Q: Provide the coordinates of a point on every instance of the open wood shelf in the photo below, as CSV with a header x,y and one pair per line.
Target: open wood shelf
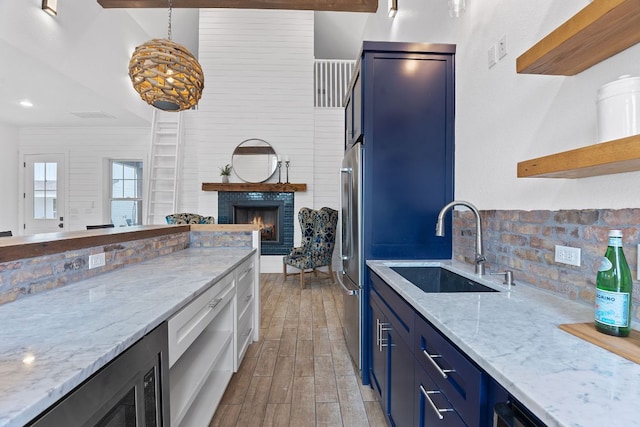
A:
x,y
600,30
246,186
617,156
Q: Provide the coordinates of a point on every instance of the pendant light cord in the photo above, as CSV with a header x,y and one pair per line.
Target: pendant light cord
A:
x,y
169,29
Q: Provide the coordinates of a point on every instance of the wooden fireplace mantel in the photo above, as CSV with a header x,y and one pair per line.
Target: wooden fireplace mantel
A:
x,y
246,186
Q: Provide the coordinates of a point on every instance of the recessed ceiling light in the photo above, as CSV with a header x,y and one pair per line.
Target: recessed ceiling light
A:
x,y
26,103
92,115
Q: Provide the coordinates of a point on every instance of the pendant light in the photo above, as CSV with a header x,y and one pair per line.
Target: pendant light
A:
x,y
165,74
457,8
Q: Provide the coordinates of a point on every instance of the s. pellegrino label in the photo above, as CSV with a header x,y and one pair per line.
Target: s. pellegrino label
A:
x,y
613,290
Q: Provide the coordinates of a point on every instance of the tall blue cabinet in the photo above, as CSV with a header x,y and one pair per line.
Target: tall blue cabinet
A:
x,y
400,107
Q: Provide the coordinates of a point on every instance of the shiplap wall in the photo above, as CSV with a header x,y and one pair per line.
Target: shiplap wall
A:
x,y
258,67
328,153
9,178
87,152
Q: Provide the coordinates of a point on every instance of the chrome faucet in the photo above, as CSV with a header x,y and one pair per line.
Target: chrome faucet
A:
x,y
480,258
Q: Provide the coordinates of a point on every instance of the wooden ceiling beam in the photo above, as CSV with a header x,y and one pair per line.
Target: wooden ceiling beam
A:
x,y
324,5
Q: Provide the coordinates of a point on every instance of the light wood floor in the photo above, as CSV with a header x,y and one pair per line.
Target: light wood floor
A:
x,y
299,373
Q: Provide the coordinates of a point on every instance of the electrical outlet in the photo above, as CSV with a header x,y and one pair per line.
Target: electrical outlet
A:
x,y
568,255
491,56
96,260
502,47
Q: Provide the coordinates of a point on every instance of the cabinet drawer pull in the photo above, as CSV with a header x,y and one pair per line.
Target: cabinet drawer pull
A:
x,y
248,332
431,357
248,298
382,327
437,410
215,302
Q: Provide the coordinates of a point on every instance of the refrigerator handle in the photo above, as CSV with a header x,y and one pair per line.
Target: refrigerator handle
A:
x,y
347,290
349,219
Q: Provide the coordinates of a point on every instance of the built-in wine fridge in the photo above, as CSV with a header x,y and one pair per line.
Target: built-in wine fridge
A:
x,y
132,390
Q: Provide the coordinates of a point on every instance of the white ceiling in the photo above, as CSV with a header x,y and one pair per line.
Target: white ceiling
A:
x,y
77,62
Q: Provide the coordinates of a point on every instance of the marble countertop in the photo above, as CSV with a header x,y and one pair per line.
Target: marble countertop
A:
x,y
52,342
514,336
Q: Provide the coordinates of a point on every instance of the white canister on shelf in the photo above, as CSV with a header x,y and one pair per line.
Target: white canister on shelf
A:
x,y
619,108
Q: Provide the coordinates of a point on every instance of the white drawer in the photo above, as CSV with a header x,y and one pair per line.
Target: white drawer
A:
x,y
245,288
244,276
188,323
244,333
244,299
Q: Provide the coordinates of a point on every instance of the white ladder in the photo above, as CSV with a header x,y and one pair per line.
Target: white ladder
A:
x,y
164,165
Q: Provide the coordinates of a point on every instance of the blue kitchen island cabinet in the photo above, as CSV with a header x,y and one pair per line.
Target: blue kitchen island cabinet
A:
x,y
420,378
399,113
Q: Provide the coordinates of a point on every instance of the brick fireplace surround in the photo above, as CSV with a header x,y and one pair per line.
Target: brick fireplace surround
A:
x,y
524,241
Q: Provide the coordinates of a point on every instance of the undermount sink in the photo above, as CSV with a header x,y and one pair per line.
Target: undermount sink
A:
x,y
439,280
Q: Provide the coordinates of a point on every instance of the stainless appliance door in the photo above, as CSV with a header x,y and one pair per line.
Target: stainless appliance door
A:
x,y
350,204
510,414
350,276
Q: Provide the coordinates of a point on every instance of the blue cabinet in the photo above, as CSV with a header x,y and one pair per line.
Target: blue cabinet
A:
x,y
421,378
432,406
453,374
392,363
400,107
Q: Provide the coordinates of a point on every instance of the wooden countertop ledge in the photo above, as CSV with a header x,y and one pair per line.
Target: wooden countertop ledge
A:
x,y
21,247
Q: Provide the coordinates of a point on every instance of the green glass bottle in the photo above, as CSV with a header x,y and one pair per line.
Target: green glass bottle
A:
x,y
613,290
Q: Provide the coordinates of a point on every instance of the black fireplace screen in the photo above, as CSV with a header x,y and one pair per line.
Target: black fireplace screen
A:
x,y
273,211
266,217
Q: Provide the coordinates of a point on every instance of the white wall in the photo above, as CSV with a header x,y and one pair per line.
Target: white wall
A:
x,y
87,153
9,178
328,150
258,67
503,117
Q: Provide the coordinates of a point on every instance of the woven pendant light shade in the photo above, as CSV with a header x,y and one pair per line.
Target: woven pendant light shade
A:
x,y
166,75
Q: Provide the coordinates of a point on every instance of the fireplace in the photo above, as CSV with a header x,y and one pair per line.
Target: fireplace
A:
x,y
273,211
266,214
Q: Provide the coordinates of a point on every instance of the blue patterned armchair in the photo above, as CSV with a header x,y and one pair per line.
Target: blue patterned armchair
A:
x,y
318,240
189,218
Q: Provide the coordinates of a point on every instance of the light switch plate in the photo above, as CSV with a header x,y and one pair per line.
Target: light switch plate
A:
x,y
491,56
502,47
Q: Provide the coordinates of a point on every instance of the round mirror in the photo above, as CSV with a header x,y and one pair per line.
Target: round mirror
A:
x,y
254,160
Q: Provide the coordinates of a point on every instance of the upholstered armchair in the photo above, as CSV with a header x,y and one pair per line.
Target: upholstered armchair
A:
x,y
318,240
189,218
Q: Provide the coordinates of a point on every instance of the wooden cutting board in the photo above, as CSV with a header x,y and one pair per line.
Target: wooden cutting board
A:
x,y
627,347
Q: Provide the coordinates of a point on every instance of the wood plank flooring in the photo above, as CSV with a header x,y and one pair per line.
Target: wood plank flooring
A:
x,y
299,373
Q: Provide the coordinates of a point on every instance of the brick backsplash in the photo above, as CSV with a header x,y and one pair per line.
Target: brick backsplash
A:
x,y
30,276
524,241
221,239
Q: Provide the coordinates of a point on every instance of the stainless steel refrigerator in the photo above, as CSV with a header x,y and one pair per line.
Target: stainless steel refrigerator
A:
x,y
351,274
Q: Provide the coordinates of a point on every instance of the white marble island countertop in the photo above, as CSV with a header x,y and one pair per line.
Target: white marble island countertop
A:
x,y
52,342
514,336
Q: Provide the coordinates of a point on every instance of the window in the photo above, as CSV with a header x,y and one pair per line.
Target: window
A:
x,y
126,192
45,181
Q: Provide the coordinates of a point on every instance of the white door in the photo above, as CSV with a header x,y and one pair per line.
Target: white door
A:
x,y
44,195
